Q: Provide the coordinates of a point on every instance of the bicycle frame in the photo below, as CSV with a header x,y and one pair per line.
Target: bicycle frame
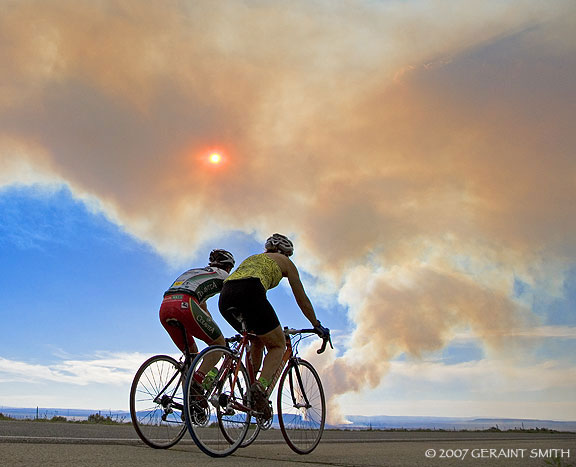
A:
x,y
244,347
167,401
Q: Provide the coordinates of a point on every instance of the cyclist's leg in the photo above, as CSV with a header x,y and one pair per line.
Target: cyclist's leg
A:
x,y
249,297
175,306
201,325
257,352
171,308
275,343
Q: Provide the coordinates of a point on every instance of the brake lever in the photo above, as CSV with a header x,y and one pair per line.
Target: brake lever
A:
x,y
325,341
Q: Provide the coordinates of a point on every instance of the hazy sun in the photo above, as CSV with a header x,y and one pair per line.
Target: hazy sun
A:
x,y
215,158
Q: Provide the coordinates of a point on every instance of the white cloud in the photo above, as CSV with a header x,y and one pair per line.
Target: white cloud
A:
x,y
104,368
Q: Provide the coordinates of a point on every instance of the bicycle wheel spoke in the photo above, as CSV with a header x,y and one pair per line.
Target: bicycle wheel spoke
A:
x,y
301,407
155,390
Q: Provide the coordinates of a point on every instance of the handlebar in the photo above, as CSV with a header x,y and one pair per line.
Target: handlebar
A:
x,y
325,339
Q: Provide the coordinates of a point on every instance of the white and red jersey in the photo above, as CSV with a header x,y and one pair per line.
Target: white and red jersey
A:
x,y
201,283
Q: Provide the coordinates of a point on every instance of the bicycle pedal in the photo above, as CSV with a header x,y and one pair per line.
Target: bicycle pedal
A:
x,y
264,423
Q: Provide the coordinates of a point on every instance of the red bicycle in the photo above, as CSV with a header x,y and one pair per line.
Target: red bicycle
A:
x,y
219,415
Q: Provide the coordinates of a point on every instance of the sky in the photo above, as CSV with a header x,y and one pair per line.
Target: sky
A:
x,y
421,155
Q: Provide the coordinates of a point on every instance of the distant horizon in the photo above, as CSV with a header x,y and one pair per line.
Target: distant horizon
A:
x,y
367,417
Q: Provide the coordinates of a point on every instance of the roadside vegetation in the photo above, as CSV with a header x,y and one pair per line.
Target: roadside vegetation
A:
x,y
6,417
92,419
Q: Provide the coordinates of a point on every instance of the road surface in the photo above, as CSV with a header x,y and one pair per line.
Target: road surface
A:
x,y
61,444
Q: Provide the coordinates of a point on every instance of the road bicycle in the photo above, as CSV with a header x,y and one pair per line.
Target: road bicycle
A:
x,y
219,416
157,397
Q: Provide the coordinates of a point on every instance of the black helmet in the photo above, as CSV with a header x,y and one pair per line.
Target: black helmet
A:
x,y
279,243
221,258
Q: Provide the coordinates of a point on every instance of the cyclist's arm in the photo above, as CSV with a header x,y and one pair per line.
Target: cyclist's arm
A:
x,y
299,294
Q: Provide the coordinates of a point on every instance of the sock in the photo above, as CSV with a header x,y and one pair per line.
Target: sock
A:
x,y
264,382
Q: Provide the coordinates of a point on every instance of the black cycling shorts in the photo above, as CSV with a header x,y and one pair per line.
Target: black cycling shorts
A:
x,y
249,297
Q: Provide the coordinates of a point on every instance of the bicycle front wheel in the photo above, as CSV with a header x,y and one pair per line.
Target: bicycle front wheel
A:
x,y
301,406
156,402
217,412
254,428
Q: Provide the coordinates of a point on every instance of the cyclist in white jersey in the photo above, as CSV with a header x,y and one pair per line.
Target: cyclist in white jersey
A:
x,y
185,301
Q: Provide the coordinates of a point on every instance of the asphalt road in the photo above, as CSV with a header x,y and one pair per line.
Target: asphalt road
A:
x,y
58,444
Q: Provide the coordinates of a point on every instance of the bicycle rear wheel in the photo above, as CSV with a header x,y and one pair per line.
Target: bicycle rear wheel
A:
x,y
301,406
251,434
218,416
156,402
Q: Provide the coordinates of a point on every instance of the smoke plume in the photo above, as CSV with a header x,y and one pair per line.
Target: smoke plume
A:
x,y
422,158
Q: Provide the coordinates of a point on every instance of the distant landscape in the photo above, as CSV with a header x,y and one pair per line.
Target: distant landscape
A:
x,y
356,422
456,423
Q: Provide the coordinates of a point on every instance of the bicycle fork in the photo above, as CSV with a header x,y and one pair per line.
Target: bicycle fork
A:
x,y
299,389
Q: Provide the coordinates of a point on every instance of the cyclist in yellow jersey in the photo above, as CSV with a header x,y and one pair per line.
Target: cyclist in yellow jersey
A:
x,y
245,291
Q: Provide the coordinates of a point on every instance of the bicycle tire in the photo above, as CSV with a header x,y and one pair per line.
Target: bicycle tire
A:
x,y
214,420
301,406
155,393
251,435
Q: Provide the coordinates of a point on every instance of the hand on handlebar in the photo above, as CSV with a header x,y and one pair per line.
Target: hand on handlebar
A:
x,y
321,330
324,333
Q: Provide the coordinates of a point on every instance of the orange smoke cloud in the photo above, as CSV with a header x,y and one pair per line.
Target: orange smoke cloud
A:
x,y
423,161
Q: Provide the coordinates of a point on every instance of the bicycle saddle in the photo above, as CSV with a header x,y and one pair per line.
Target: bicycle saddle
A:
x,y
238,314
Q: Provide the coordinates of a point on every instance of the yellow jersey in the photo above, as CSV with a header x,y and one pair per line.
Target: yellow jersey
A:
x,y
261,267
